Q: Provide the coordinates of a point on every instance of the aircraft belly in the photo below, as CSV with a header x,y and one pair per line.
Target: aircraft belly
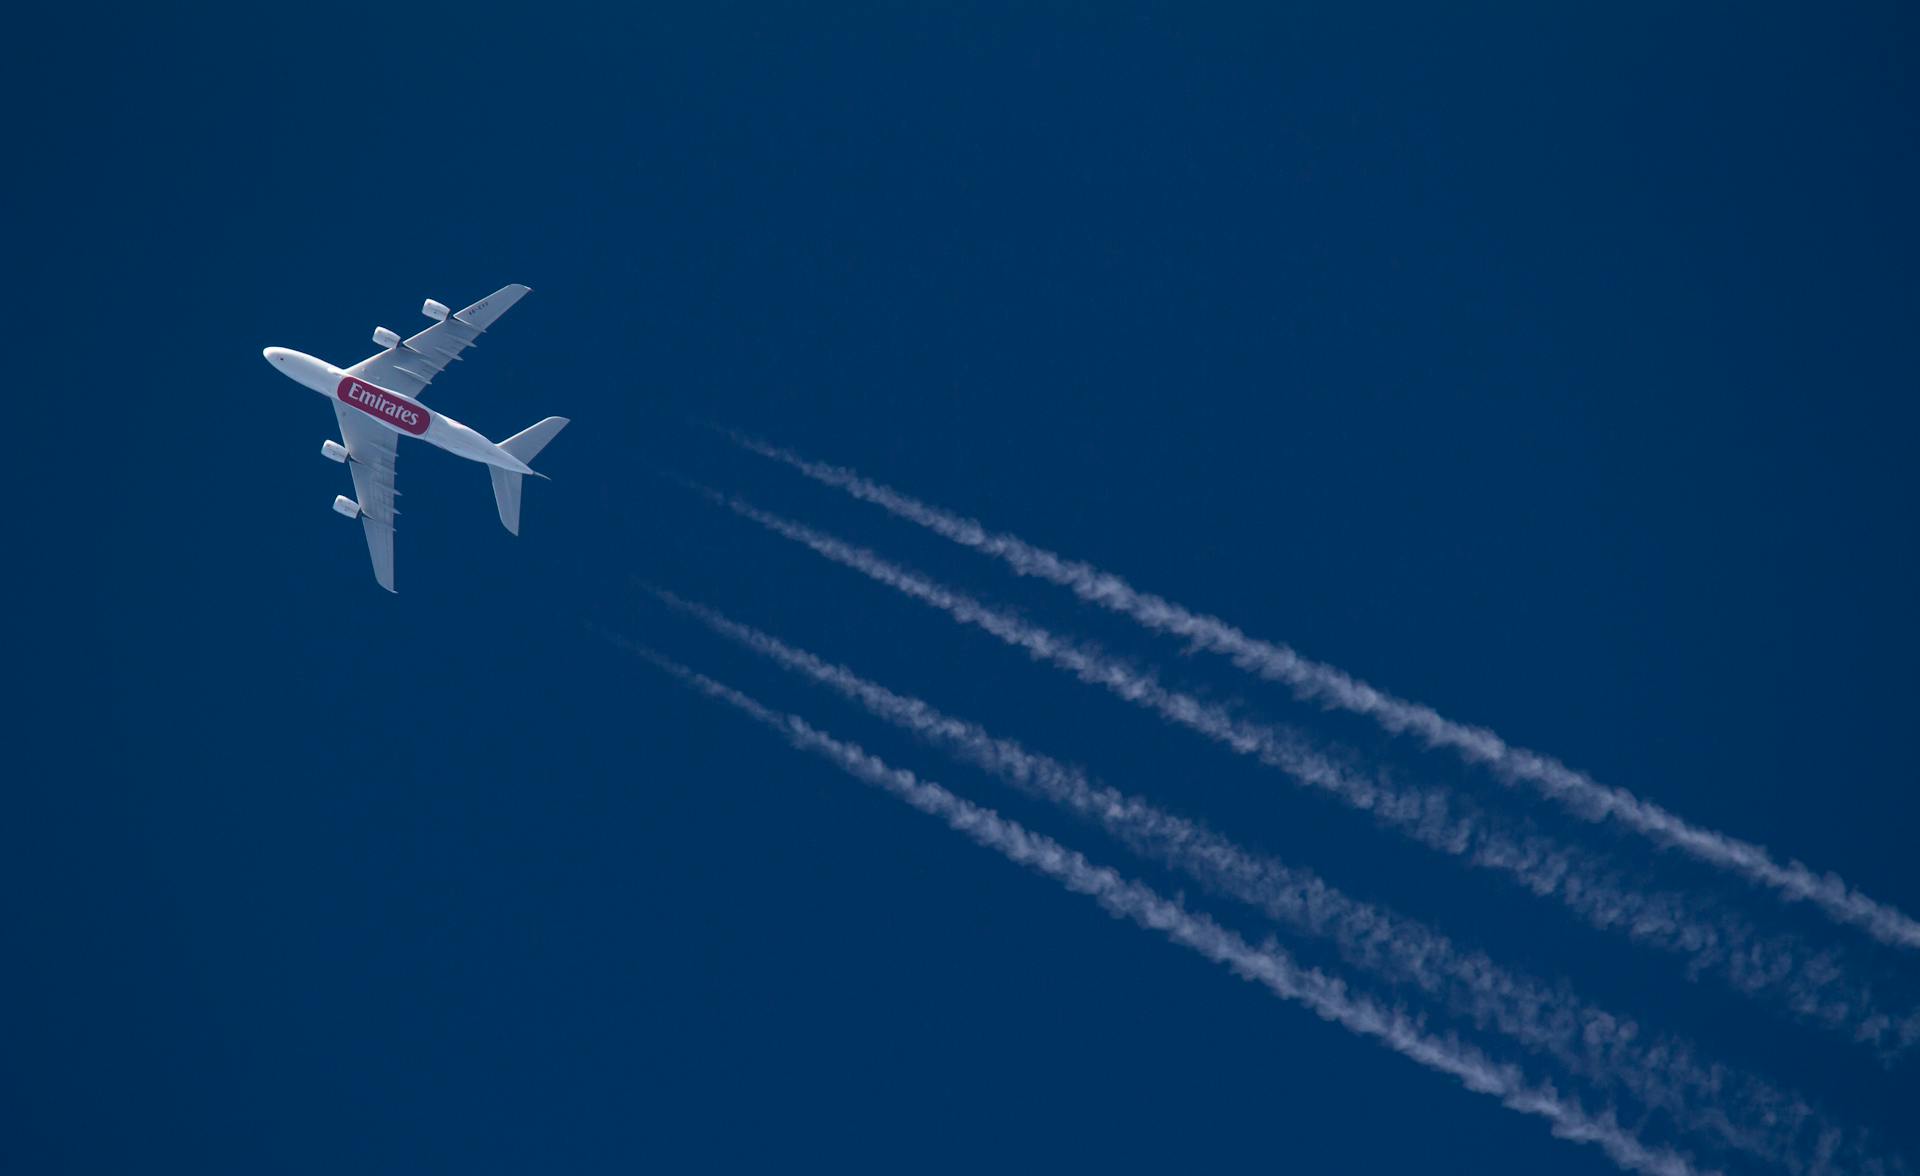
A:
x,y
391,409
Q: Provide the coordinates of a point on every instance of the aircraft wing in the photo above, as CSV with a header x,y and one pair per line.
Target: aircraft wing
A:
x,y
410,366
371,449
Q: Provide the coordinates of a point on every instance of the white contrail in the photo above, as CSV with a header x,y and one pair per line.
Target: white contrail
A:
x,y
1328,998
1743,1111
1812,985
1324,684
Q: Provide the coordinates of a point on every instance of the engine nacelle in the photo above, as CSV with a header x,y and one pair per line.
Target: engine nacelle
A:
x,y
437,311
333,451
385,338
346,506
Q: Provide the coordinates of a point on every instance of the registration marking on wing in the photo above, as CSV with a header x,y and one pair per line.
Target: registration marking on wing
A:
x,y
390,407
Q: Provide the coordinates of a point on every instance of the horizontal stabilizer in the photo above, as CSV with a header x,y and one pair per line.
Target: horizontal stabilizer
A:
x,y
524,445
506,496
530,441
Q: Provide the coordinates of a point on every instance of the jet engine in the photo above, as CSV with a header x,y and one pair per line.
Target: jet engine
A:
x,y
333,451
385,338
346,506
437,311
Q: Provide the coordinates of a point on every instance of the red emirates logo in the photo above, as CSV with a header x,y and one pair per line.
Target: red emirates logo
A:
x,y
390,407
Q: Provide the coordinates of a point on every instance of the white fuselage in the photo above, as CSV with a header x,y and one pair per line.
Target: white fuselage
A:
x,y
401,414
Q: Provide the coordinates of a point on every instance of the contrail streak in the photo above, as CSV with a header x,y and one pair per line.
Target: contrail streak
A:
x,y
1605,1047
1328,998
1316,682
1813,986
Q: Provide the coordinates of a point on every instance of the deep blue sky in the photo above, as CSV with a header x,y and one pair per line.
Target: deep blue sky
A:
x,y
1553,369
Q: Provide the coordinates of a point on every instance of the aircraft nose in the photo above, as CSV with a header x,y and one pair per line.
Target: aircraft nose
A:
x,y
275,354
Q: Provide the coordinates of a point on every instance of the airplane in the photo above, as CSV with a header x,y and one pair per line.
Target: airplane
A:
x,y
378,400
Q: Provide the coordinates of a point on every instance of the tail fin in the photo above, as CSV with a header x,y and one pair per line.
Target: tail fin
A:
x,y
506,484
